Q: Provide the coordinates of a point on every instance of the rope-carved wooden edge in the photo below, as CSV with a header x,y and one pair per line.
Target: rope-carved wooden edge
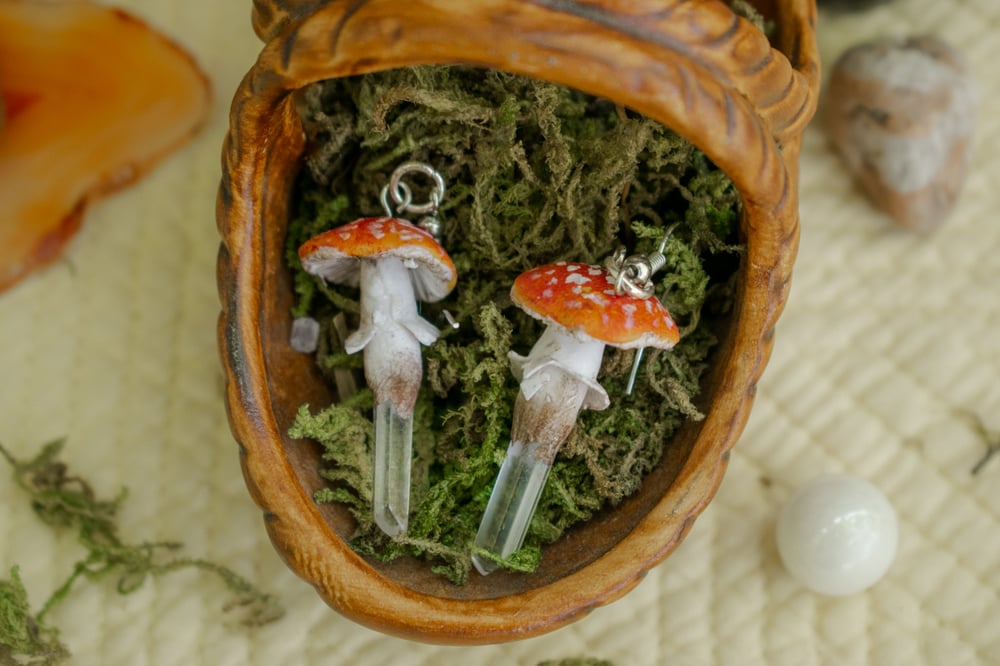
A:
x,y
779,87
690,64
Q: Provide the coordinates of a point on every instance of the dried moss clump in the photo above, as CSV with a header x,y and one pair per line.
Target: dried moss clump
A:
x,y
536,173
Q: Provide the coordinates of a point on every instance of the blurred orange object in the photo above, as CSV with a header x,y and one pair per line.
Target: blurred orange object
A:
x,y
92,98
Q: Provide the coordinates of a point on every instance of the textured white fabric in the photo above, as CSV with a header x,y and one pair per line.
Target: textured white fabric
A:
x,y
888,342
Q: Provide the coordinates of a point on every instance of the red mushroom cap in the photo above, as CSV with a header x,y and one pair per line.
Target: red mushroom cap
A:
x,y
334,254
582,298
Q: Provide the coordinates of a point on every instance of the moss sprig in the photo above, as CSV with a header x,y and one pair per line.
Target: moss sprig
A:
x,y
68,502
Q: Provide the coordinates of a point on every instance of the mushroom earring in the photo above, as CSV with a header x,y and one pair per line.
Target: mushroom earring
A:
x,y
395,263
584,308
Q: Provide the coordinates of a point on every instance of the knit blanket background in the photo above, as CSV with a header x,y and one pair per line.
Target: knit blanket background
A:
x,y
888,351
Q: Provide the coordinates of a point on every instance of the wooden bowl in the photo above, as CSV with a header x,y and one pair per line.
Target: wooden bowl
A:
x,y
690,64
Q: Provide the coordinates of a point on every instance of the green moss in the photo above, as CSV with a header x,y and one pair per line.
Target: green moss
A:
x,y
536,173
23,638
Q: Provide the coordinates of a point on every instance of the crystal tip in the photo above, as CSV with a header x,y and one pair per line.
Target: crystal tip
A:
x,y
484,565
389,522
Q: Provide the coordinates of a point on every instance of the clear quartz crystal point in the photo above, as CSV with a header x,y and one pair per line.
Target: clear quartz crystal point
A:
x,y
305,335
391,494
515,495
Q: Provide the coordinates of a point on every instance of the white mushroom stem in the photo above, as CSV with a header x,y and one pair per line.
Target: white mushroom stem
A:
x,y
391,333
558,379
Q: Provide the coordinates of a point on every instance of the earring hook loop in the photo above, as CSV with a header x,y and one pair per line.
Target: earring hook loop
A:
x,y
402,195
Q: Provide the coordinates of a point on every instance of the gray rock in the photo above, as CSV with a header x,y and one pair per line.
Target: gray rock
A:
x,y
901,113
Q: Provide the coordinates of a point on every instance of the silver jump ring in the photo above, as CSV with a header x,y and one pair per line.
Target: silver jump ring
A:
x,y
633,277
403,200
402,196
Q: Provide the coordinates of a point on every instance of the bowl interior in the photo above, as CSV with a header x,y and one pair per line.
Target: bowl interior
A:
x,y
293,379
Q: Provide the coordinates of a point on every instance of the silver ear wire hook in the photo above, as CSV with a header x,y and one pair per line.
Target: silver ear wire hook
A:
x,y
633,276
401,194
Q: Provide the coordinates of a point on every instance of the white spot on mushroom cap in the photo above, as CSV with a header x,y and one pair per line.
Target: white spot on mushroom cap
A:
x,y
576,278
407,235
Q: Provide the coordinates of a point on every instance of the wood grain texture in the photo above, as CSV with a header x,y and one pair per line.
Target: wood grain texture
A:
x,y
270,17
690,64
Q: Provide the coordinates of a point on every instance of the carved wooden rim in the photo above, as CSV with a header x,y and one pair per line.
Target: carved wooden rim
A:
x,y
691,65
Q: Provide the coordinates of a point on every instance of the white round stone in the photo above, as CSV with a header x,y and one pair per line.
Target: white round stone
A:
x,y
837,534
